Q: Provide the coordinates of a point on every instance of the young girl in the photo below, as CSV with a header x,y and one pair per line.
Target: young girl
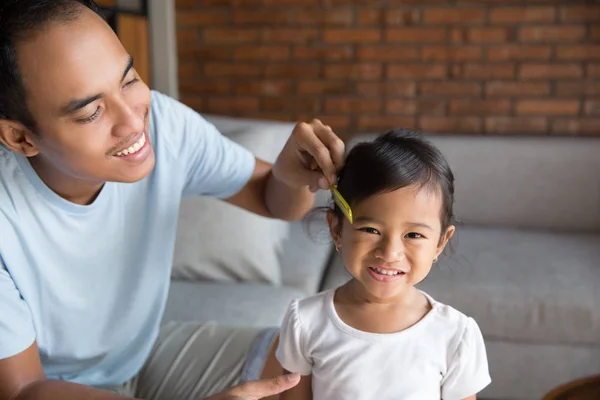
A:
x,y
378,337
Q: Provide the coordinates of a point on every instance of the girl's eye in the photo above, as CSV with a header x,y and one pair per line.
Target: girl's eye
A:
x,y
415,235
131,82
92,117
370,230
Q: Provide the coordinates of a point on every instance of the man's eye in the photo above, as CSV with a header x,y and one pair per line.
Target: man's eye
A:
x,y
92,117
131,82
415,235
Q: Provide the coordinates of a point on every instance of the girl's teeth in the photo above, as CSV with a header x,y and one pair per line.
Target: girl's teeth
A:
x,y
134,147
386,272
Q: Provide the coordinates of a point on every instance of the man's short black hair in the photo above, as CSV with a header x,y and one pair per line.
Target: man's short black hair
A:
x,y
19,19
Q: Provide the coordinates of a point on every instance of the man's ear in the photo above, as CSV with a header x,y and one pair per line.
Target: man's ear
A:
x,y
16,137
444,239
335,228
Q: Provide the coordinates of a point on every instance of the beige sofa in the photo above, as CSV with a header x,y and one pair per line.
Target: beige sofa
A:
x,y
525,265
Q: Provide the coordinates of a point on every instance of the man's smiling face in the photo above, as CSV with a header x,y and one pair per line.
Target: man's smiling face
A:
x,y
90,107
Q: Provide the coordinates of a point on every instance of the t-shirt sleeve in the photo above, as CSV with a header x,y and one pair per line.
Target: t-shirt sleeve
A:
x,y
16,325
213,165
468,371
291,351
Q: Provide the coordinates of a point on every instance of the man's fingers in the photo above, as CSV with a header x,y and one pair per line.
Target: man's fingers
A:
x,y
335,145
309,142
265,387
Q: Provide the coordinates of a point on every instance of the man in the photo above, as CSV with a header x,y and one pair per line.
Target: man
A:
x,y
93,166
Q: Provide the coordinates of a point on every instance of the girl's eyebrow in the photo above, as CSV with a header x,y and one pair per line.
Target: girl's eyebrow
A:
x,y
365,218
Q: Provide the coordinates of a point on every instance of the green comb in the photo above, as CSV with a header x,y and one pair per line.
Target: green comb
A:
x,y
337,197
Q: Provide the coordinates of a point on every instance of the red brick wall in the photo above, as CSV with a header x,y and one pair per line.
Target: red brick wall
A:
x,y
482,66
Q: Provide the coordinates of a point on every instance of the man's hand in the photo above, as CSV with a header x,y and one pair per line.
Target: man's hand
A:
x,y
310,142
255,390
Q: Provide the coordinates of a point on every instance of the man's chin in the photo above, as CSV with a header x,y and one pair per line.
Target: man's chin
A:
x,y
132,174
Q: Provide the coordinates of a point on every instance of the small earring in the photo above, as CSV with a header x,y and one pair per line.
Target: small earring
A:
x,y
337,248
435,259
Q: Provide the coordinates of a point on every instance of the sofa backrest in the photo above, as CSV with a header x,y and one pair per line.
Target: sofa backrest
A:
x,y
524,182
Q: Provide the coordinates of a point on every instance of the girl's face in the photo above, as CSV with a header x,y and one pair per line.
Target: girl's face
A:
x,y
393,242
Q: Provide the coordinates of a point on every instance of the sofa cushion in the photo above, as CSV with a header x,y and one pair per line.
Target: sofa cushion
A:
x,y
241,304
523,286
220,242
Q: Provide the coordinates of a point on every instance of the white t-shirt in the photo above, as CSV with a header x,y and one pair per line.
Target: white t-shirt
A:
x,y
440,357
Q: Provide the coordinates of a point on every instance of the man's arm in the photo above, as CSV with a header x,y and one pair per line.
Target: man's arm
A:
x,y
267,196
285,190
22,378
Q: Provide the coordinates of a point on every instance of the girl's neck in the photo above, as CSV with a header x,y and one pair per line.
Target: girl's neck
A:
x,y
354,292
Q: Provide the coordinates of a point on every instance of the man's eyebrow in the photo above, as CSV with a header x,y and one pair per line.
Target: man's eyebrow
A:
x,y
77,104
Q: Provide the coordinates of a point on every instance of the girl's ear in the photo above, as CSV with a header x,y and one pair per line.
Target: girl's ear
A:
x,y
335,227
444,239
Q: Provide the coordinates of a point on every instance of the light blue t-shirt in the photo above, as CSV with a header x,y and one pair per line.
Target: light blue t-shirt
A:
x,y
89,283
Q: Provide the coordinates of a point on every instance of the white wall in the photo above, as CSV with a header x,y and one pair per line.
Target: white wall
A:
x,y
163,45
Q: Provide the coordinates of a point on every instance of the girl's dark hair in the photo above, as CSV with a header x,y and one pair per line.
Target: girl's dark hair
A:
x,y
395,160
18,20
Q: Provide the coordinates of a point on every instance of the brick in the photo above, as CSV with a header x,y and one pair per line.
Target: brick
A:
x,y
415,35
230,35
446,88
324,87
386,53
592,107
220,69
547,107
351,106
270,17
327,53
405,17
263,88
483,71
550,71
415,71
518,53
577,126
578,52
267,53
331,17
331,3
595,33
451,53
380,124
379,17
593,70
213,87
201,18
289,3
578,88
295,104
264,115
189,69
479,107
232,104
459,125
208,52
453,16
516,89
351,35
481,35
228,3
186,36
520,15
551,34
178,3
292,70
195,103
580,13
415,106
290,35
516,125
361,71
387,89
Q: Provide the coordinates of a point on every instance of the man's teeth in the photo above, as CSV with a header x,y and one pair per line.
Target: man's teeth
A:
x,y
134,148
388,272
